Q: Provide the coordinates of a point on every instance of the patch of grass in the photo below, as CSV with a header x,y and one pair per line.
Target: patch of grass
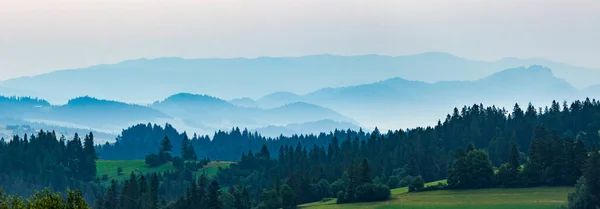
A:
x,y
405,189
109,168
212,168
525,198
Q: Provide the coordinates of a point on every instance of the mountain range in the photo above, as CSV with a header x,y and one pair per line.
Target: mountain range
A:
x,y
193,113
144,81
339,92
206,112
398,102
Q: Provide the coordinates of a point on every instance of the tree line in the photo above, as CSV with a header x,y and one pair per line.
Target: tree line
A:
x,y
553,142
42,160
286,171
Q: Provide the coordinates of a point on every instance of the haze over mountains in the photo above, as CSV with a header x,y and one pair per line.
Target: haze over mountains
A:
x,y
145,81
298,95
398,102
190,112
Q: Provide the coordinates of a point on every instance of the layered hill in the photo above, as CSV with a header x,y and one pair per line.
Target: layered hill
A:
x,y
143,81
399,102
204,111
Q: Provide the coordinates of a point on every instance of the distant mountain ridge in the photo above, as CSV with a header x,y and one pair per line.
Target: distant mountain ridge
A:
x,y
398,102
144,81
199,113
390,103
204,111
315,127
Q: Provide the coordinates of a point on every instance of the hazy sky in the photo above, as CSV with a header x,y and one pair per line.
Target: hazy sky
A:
x,y
38,36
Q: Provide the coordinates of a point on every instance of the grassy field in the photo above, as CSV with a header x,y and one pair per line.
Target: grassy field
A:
x,y
405,189
109,168
527,198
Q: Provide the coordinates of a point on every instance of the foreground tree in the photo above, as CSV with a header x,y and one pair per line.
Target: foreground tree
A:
x,y
472,170
45,199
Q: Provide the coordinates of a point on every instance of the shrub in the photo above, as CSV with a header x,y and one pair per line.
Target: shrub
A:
x,y
337,187
153,160
417,184
393,182
342,197
371,192
178,163
406,181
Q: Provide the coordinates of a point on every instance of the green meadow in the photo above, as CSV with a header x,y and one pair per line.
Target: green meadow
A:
x,y
525,198
109,168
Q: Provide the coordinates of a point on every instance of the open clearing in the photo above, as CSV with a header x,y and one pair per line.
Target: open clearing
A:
x,y
525,198
109,168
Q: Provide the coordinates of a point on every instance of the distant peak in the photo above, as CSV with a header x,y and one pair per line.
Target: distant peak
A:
x,y
301,105
190,96
87,100
280,94
531,72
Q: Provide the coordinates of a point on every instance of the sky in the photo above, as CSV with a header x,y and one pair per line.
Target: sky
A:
x,y
39,36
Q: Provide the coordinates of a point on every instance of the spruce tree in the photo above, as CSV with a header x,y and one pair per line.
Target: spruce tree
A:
x,y
213,201
365,175
90,157
592,176
165,150
288,197
154,184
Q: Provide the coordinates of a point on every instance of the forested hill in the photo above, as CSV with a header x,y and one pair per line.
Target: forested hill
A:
x,y
528,146
42,160
304,168
486,126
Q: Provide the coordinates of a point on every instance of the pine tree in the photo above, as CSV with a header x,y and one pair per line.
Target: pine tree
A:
x,y
592,176
553,173
90,157
187,149
111,199
365,176
213,201
165,150
264,152
144,191
513,158
154,184
288,197
570,172
508,174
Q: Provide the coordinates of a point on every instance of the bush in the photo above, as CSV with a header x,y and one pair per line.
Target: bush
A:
x,y
337,187
417,184
393,182
153,160
342,197
406,181
178,163
119,171
365,193
323,189
371,192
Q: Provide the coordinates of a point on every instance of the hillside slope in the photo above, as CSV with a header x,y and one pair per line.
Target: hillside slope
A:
x,y
527,198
